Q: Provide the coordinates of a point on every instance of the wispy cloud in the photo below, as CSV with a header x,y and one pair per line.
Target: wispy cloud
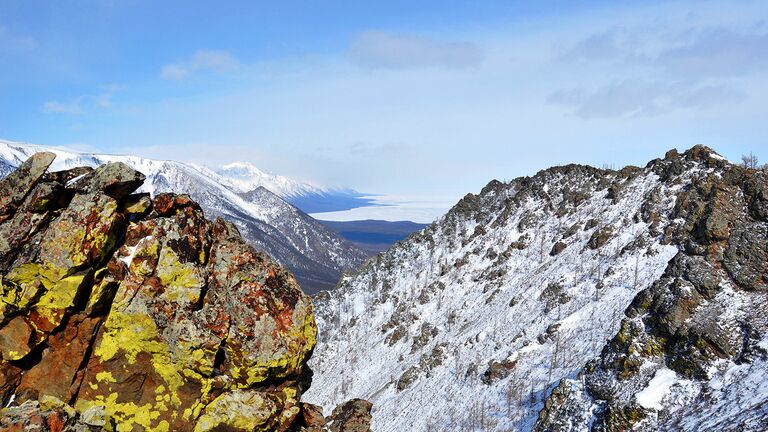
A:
x,y
363,149
702,51
201,61
73,106
12,42
84,103
380,49
717,52
631,98
615,44
655,69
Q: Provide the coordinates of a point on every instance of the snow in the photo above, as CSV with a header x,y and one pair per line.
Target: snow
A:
x,y
483,297
716,156
128,259
74,180
657,388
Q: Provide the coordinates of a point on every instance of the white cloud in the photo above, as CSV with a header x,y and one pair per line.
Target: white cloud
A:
x,y
379,49
201,61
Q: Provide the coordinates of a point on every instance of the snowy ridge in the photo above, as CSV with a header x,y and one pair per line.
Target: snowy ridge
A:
x,y
315,255
470,324
478,277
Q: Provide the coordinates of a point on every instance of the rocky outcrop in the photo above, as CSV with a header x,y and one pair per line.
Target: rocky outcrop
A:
x,y
120,312
316,256
688,336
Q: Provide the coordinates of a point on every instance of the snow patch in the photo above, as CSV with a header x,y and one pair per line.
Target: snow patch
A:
x,y
657,388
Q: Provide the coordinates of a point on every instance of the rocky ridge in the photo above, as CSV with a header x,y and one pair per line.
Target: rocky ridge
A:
x,y
492,317
314,254
692,351
124,312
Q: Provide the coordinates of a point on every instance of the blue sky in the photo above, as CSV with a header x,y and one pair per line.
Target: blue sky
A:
x,y
428,99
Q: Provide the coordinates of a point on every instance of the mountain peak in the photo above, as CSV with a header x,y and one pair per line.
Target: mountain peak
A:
x,y
244,177
242,169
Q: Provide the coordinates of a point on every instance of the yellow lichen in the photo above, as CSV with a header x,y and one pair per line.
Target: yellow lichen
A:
x,y
26,281
127,415
58,298
133,334
238,410
105,376
182,282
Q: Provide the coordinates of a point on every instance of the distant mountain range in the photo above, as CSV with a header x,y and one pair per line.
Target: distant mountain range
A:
x,y
264,214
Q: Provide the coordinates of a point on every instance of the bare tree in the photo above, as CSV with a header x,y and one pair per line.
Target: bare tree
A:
x,y
749,161
637,272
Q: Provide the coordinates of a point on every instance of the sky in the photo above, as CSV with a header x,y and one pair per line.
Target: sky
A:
x,y
425,100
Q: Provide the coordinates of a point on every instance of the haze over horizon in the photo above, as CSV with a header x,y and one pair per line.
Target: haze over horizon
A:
x,y
424,102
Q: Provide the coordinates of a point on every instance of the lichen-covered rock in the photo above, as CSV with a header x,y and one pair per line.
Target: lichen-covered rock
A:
x,y
122,312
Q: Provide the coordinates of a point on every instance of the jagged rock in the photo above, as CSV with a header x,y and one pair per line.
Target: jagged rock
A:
x,y
312,418
498,370
140,314
600,237
352,416
15,338
18,184
557,248
117,180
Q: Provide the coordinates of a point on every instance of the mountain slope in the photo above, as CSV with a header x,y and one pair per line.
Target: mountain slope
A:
x,y
477,318
310,237
273,225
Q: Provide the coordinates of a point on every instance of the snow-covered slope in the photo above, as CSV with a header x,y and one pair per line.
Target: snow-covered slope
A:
x,y
316,256
471,323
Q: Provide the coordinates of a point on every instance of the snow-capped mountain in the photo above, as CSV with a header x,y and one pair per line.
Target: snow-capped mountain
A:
x,y
512,312
314,254
244,177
